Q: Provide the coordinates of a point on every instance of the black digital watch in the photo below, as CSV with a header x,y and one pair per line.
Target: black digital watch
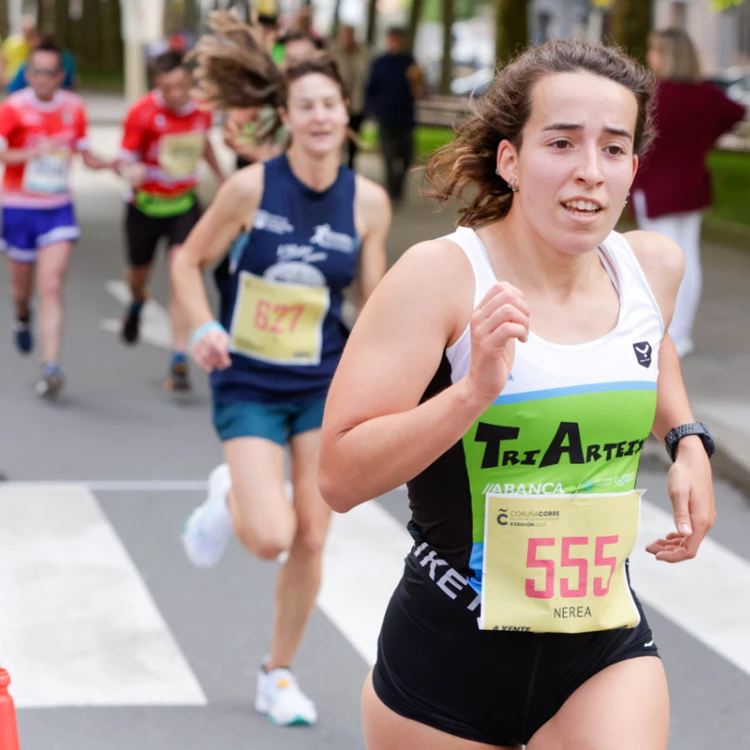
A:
x,y
674,436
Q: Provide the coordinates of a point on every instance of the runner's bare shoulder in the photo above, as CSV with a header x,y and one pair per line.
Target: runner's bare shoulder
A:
x,y
434,281
242,192
662,261
369,193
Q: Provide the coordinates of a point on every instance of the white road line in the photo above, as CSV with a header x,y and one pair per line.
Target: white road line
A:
x,y
78,627
362,563
706,597
155,326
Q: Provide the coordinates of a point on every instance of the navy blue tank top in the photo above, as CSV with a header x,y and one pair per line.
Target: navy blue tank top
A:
x,y
281,290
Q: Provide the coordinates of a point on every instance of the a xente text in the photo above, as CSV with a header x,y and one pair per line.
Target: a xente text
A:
x,y
566,442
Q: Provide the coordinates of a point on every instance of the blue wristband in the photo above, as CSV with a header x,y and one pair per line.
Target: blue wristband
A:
x,y
212,325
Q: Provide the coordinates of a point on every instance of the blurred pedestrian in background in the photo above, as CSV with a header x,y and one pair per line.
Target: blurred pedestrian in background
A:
x,y
395,83
673,186
69,65
17,48
303,22
353,60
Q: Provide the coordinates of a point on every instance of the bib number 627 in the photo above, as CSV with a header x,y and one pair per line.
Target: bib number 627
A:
x,y
277,318
570,558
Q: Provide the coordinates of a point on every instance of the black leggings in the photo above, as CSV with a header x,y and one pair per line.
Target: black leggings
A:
x,y
436,667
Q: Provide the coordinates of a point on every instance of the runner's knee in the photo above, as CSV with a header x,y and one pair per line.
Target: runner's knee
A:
x,y
50,287
310,538
269,547
266,542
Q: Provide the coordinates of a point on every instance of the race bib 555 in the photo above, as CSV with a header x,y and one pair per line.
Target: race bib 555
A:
x,y
556,564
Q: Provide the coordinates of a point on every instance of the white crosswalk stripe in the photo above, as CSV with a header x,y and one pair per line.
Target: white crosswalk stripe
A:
x,y
78,626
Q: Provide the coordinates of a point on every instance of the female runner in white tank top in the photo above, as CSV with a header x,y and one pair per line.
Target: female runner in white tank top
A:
x,y
524,348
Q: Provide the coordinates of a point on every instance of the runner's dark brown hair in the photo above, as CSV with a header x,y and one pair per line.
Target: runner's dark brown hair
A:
x,y
470,160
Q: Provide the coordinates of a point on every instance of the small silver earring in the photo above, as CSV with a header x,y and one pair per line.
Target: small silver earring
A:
x,y
513,188
627,197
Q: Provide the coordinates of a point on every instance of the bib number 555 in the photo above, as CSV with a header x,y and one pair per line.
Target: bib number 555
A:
x,y
575,552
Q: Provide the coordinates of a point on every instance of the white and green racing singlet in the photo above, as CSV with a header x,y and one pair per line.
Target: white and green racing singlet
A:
x,y
571,422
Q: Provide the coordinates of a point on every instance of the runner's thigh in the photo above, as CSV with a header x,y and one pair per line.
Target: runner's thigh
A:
x,y
623,707
386,730
259,497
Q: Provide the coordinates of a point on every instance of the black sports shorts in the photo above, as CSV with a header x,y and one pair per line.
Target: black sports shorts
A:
x,y
437,667
142,232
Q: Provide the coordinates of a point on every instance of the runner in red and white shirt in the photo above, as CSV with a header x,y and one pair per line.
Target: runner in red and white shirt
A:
x,y
41,129
165,137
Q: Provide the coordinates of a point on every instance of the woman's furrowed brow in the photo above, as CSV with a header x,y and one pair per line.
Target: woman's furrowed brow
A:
x,y
578,126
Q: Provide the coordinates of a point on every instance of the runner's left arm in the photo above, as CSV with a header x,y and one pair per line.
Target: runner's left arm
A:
x,y
375,211
689,482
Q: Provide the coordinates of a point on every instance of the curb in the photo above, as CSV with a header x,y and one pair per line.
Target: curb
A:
x,y
722,232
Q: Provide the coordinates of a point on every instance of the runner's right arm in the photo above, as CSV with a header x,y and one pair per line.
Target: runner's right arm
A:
x,y
376,433
21,155
232,209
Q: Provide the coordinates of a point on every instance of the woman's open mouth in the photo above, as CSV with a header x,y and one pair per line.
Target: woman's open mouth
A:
x,y
582,208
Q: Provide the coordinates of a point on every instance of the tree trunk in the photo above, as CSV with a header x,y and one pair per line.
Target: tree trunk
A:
x,y
446,73
91,46
61,21
511,28
111,34
3,19
336,19
192,16
414,17
631,25
372,18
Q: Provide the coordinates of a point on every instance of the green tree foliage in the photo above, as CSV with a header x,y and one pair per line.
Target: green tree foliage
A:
x,y
724,4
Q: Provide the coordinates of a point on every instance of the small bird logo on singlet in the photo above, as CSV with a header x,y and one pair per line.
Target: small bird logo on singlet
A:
x,y
643,353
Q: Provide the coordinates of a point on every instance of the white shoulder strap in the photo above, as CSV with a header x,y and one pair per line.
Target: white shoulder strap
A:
x,y
629,270
484,276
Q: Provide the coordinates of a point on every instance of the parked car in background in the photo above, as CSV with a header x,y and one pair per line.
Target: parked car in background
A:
x,y
477,82
735,82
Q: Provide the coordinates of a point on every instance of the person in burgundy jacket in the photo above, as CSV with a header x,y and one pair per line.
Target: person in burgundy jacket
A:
x,y
673,186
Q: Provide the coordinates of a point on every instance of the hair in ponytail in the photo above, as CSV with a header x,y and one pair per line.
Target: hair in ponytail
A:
x,y
234,71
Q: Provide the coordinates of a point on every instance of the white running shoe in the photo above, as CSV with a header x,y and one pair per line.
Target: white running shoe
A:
x,y
208,528
279,697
